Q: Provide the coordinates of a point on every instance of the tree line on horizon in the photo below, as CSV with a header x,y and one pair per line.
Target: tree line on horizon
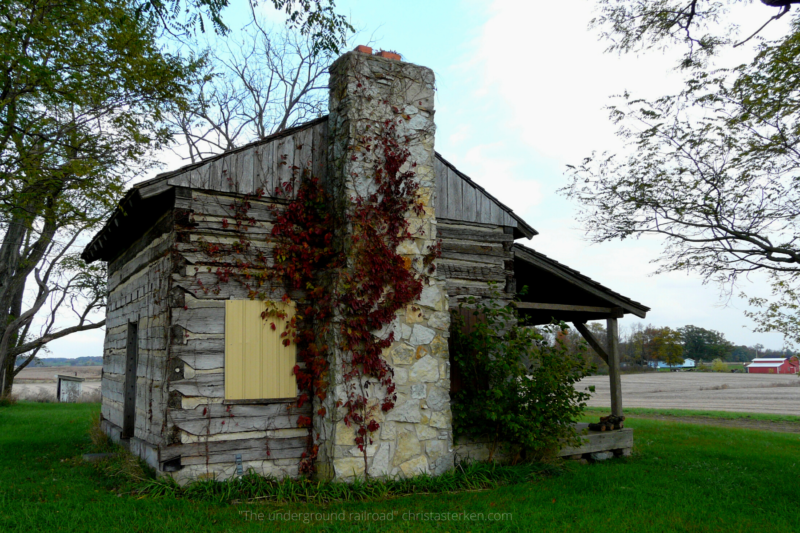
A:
x,y
641,346
91,360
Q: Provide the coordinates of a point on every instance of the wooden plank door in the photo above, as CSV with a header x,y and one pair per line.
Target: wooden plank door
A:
x,y
131,361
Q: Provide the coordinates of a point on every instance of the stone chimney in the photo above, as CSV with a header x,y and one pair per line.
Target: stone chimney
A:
x,y
415,437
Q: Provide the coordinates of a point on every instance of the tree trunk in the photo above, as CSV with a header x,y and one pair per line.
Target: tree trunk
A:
x,y
7,363
9,262
7,377
15,269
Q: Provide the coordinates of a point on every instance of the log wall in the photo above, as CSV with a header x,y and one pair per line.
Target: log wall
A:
x,y
169,284
138,288
476,259
202,430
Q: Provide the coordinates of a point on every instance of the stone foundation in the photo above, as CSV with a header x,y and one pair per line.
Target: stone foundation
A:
x,y
480,451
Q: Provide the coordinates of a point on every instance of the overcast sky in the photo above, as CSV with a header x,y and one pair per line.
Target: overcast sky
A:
x,y
522,88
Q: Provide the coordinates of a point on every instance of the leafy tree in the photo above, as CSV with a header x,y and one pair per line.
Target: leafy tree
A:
x,y
665,344
713,168
317,19
647,345
704,344
314,19
742,354
641,340
184,16
631,345
718,366
83,89
573,343
776,353
700,26
577,345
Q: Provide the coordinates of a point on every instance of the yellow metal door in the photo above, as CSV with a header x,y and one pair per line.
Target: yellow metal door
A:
x,y
257,364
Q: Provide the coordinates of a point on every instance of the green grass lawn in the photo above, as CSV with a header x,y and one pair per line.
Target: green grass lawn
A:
x,y
681,478
594,412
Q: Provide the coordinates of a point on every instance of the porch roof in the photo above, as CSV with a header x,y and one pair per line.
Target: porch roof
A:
x,y
559,292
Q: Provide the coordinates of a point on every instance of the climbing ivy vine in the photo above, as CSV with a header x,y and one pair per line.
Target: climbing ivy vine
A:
x,y
349,285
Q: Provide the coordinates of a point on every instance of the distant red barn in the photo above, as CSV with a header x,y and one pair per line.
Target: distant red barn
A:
x,y
774,365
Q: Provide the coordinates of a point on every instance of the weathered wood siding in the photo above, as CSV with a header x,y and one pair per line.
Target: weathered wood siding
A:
x,y
459,199
138,288
477,234
264,166
475,257
204,432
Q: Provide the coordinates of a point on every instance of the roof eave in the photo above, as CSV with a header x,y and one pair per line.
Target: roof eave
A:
x,y
93,250
159,184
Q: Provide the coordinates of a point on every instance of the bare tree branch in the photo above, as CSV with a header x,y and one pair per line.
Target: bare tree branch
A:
x,y
53,336
262,83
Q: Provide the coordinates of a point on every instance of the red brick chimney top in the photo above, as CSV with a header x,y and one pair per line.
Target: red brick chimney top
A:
x,y
382,53
389,55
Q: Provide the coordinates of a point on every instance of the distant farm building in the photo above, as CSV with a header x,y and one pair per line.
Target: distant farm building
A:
x,y
68,388
774,365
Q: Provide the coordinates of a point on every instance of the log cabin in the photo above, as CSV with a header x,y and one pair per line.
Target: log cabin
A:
x,y
193,382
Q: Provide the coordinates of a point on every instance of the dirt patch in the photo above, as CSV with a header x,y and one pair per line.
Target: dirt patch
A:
x,y
48,373
747,393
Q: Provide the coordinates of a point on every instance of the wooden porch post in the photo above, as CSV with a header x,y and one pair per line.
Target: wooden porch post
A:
x,y
613,366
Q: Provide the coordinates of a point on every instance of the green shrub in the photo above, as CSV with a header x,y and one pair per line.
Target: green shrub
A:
x,y
718,366
517,384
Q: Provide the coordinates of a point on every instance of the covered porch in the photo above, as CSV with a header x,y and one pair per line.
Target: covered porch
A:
x,y
564,294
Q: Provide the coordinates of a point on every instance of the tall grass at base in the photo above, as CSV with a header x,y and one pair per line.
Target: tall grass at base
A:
x,y
7,400
42,395
100,441
252,487
130,475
